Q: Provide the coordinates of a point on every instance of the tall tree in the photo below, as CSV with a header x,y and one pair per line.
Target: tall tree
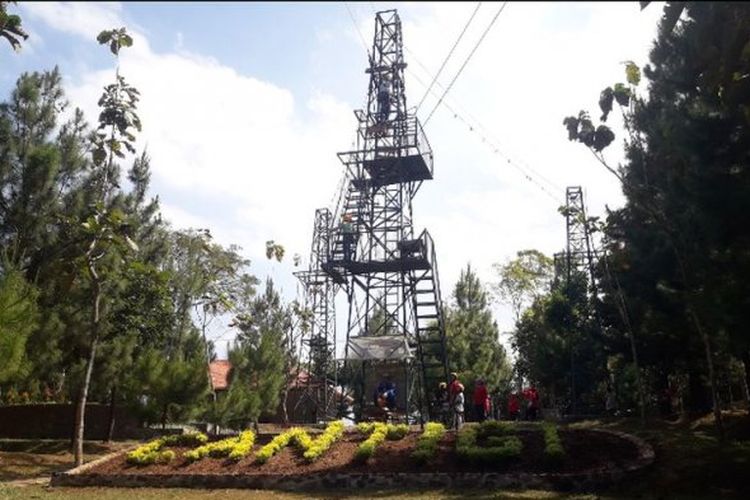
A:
x,y
523,279
18,317
104,232
684,180
473,338
258,367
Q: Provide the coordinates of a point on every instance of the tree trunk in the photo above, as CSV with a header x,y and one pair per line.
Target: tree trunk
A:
x,y
746,378
78,432
711,374
164,417
284,398
81,406
112,405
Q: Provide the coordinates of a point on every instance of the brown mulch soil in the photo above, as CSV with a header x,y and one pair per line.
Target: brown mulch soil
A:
x,y
584,450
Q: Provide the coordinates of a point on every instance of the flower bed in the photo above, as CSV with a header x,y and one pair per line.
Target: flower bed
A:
x,y
152,453
553,448
590,456
427,445
378,432
312,448
236,448
487,443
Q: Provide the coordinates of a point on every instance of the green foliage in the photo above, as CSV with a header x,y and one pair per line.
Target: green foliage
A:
x,y
497,448
553,448
523,279
426,447
315,448
18,318
378,432
676,276
277,444
116,38
235,448
258,360
274,250
151,452
474,348
10,27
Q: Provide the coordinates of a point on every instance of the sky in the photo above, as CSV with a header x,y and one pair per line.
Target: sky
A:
x,y
244,106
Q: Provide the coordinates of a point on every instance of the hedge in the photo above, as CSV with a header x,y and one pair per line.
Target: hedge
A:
x,y
151,452
553,448
236,448
427,443
378,432
500,446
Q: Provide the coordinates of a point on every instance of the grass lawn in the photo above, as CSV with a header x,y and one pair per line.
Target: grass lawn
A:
x,y
24,458
690,463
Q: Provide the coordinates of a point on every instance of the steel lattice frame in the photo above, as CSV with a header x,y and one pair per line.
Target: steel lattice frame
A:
x,y
385,171
318,342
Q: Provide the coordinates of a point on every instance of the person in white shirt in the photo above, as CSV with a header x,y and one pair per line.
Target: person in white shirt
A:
x,y
458,408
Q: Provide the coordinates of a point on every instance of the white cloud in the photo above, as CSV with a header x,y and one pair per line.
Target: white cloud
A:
x,y
85,19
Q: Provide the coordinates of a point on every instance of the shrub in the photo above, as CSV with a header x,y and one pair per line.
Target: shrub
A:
x,y
497,449
150,453
276,445
553,448
187,439
378,432
314,448
235,448
396,432
494,428
428,441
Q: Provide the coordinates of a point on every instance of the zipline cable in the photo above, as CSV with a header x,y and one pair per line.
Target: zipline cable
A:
x,y
447,58
460,70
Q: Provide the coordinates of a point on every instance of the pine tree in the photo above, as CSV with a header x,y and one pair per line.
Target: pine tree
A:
x,y
473,338
258,367
18,317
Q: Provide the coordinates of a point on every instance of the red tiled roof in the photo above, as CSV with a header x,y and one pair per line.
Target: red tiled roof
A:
x,y
219,371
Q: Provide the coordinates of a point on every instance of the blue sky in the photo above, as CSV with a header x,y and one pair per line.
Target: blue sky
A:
x,y
245,106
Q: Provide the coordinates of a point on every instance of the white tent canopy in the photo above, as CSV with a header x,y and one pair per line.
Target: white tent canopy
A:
x,y
381,347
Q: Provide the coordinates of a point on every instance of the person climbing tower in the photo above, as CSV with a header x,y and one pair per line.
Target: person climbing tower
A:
x,y
384,98
349,236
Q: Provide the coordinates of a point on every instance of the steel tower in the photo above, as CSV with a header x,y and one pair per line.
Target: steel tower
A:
x,y
391,280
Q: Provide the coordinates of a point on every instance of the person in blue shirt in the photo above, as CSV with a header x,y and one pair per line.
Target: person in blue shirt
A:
x,y
385,393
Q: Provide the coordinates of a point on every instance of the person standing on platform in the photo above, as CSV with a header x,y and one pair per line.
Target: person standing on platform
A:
x,y
384,98
349,236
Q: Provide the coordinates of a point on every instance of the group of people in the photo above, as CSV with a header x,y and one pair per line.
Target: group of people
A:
x,y
521,405
524,404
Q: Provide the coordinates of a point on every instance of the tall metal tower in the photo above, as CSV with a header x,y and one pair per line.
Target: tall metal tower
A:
x,y
391,280
580,254
319,340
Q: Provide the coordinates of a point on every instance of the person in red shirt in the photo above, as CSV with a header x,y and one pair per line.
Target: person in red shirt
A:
x,y
513,406
453,387
532,398
481,400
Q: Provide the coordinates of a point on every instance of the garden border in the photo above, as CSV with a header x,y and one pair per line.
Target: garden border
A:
x,y
596,477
